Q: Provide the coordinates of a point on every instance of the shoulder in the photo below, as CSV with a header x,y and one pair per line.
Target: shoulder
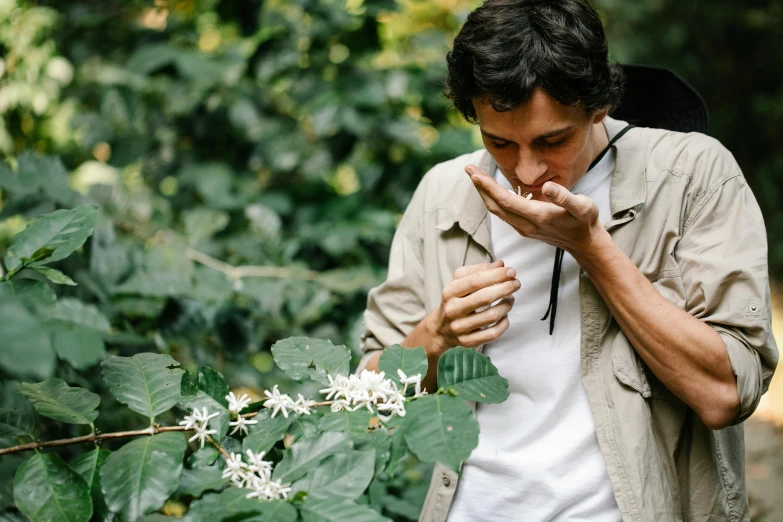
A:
x,y
704,160
445,186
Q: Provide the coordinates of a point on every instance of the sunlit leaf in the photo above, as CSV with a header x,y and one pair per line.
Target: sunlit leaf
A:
x,y
302,357
473,375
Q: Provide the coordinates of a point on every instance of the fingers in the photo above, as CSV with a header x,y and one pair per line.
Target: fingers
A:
x,y
483,319
580,206
476,281
480,337
472,269
457,308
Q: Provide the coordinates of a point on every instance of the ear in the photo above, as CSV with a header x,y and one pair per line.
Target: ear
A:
x,y
599,116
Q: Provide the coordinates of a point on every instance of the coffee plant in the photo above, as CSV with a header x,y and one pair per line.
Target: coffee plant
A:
x,y
284,459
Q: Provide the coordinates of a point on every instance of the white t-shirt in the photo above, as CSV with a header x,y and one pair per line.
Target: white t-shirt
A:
x,y
538,457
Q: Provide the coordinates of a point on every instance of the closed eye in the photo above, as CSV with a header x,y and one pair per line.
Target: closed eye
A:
x,y
553,144
500,144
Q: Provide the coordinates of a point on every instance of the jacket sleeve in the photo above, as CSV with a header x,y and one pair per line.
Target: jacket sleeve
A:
x,y
396,306
722,254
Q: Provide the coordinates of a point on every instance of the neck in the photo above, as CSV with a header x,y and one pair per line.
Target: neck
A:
x,y
600,139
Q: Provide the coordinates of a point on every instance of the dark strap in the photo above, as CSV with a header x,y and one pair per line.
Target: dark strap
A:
x,y
559,253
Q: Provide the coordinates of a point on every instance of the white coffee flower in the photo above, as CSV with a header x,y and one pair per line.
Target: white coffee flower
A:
x,y
338,387
198,421
240,424
267,489
278,402
235,405
413,379
302,406
236,470
257,464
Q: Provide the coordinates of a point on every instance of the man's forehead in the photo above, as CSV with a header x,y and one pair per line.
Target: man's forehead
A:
x,y
540,116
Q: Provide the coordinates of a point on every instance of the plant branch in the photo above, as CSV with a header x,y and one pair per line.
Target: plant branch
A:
x,y
238,272
98,437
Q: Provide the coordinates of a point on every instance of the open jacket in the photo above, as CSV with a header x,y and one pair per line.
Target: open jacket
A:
x,y
684,214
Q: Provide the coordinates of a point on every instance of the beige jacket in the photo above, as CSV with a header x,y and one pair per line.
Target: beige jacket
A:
x,y
685,216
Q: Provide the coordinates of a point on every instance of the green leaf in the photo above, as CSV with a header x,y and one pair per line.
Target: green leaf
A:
x,y
89,467
344,475
232,504
410,360
473,375
147,382
202,223
296,356
63,230
27,349
47,490
54,275
45,252
81,347
338,510
204,457
194,482
354,422
264,435
212,383
34,295
441,428
307,453
139,477
74,311
15,423
53,398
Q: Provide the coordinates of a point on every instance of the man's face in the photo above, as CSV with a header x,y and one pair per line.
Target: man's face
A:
x,y
541,141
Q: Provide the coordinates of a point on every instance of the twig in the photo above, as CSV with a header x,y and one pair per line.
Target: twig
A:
x,y
238,272
97,437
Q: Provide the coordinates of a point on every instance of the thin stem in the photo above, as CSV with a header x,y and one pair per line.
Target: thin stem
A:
x,y
238,272
98,437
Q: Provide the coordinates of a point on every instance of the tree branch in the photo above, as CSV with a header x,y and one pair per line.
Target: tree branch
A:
x,y
98,437
238,272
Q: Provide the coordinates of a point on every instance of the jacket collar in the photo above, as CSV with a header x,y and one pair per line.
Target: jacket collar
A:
x,y
627,191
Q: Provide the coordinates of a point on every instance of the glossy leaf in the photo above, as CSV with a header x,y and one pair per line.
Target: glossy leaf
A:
x,y
473,375
147,382
89,467
344,475
303,357
307,453
15,422
338,510
55,276
139,477
63,230
441,428
53,398
411,361
194,482
232,504
47,490
81,347
263,435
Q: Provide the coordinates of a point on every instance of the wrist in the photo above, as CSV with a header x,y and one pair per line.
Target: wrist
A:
x,y
596,250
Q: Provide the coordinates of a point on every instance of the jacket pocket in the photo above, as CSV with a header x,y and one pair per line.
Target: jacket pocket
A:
x,y
628,366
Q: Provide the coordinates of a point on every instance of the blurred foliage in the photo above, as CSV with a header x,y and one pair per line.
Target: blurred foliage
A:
x,y
283,137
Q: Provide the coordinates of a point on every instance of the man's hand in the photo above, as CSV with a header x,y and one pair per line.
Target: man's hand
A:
x,y
565,220
458,321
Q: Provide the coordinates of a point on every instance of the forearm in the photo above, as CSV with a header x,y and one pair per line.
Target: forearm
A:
x,y
422,335
687,355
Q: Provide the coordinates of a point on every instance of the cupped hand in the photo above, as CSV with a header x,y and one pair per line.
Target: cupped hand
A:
x,y
565,220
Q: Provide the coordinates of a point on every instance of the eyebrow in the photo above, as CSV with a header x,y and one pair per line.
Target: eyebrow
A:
x,y
550,134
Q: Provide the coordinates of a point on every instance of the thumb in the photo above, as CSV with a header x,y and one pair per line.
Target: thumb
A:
x,y
578,205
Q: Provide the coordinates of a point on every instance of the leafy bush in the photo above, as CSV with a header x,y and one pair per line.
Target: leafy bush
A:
x,y
335,464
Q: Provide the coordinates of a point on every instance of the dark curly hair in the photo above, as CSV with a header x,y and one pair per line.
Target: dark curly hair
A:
x,y
508,48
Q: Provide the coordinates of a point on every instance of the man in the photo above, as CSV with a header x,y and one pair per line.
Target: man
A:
x,y
626,402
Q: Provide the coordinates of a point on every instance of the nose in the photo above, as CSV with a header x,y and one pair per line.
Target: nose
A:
x,y
529,168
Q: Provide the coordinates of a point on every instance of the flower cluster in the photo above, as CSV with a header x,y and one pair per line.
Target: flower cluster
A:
x,y
198,421
370,389
279,402
255,474
235,405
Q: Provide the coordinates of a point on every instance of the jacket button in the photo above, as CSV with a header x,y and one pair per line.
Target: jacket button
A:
x,y
754,308
446,481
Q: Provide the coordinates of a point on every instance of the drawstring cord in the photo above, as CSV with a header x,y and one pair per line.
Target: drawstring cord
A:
x,y
559,253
